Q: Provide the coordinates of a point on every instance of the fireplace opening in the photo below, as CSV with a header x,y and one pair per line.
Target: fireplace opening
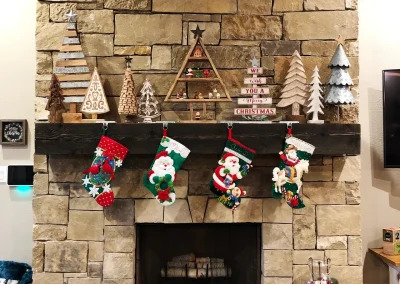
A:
x,y
198,253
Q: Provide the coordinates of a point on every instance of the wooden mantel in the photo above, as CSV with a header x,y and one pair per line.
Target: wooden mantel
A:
x,y
81,138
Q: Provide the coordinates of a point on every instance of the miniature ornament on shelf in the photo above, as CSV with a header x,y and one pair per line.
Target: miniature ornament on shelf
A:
x,y
198,52
255,113
72,70
198,115
55,103
295,92
95,101
206,73
128,101
189,73
199,74
147,103
315,105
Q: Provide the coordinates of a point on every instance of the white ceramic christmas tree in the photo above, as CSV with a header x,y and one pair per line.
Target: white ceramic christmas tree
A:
x,y
147,103
315,105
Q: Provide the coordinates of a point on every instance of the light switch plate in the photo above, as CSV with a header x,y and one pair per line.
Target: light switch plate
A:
x,y
3,174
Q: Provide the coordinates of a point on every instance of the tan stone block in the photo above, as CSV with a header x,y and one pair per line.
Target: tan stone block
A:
x,y
301,26
277,236
355,251
275,280
181,184
96,251
352,4
48,278
49,232
338,220
232,57
217,213
255,7
66,256
267,62
197,207
347,169
123,186
325,192
352,193
301,274
49,36
61,189
338,257
147,31
352,48
348,274
42,12
280,47
309,210
161,57
332,243
84,281
302,256
327,161
58,11
118,265
40,109
178,212
67,168
40,184
84,204
90,6
251,27
50,209
240,42
250,211
97,44
276,211
191,6
85,225
212,35
148,211
122,212
111,65
287,6
196,18
119,238
95,269
132,50
321,5
75,275
38,257
118,281
42,88
319,173
127,5
304,236
141,63
96,21
44,65
275,260
318,48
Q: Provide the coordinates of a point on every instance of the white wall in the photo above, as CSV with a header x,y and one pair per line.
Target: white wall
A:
x,y
17,92
380,188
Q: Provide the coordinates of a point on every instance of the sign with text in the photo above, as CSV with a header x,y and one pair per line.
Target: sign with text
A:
x,y
255,111
254,91
255,101
255,70
255,81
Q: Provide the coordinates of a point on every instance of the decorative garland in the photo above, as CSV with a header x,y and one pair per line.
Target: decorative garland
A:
x,y
10,129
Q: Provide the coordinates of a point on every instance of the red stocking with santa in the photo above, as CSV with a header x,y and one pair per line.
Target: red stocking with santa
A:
x,y
233,166
160,178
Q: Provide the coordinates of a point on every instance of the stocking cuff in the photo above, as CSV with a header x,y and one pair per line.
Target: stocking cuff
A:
x,y
239,150
112,147
300,145
173,145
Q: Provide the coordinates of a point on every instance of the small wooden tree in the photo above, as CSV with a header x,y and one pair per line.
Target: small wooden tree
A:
x,y
55,103
128,102
95,101
315,105
294,92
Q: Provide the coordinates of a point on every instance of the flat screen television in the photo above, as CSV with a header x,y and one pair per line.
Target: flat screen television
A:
x,y
391,118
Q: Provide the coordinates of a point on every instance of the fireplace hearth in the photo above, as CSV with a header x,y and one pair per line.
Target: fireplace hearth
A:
x,y
198,253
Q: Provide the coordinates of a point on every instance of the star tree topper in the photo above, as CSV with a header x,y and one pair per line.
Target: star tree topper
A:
x,y
71,16
197,32
341,40
128,61
255,62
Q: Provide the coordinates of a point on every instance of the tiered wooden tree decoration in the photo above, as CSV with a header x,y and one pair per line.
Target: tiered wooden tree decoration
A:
x,y
198,53
315,105
294,92
128,102
147,103
255,113
95,101
339,92
55,103
72,70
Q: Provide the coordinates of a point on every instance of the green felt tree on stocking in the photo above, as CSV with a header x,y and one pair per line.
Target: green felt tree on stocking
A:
x,y
287,178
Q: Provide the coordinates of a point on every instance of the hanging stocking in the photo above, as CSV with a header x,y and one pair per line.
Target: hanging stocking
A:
x,y
160,179
108,158
233,166
287,178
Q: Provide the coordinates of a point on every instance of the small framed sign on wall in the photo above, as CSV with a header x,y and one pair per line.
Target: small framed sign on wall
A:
x,y
13,132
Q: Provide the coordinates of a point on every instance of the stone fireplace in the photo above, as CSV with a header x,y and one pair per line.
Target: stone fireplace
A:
x,y
79,242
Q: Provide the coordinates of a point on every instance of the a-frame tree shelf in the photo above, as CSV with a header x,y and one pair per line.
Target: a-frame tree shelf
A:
x,y
198,80
82,138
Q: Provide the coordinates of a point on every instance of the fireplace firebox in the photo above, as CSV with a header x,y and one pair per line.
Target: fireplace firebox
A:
x,y
198,253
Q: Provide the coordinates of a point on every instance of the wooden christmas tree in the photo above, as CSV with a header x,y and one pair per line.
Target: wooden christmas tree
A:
x,y
198,54
55,103
294,92
72,70
128,102
148,108
315,105
95,101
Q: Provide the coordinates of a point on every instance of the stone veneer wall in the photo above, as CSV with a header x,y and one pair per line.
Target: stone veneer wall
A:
x,y
157,33
79,242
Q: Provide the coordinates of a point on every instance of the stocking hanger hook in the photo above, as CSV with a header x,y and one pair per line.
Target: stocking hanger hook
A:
x,y
230,125
165,125
105,127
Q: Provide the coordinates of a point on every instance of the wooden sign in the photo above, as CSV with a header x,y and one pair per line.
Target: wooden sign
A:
x,y
255,111
254,91
255,101
255,71
13,132
255,81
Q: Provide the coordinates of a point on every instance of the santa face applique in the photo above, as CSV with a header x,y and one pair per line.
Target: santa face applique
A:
x,y
229,171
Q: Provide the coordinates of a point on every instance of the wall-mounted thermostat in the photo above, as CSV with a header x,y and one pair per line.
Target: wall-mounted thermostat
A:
x,y
20,175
